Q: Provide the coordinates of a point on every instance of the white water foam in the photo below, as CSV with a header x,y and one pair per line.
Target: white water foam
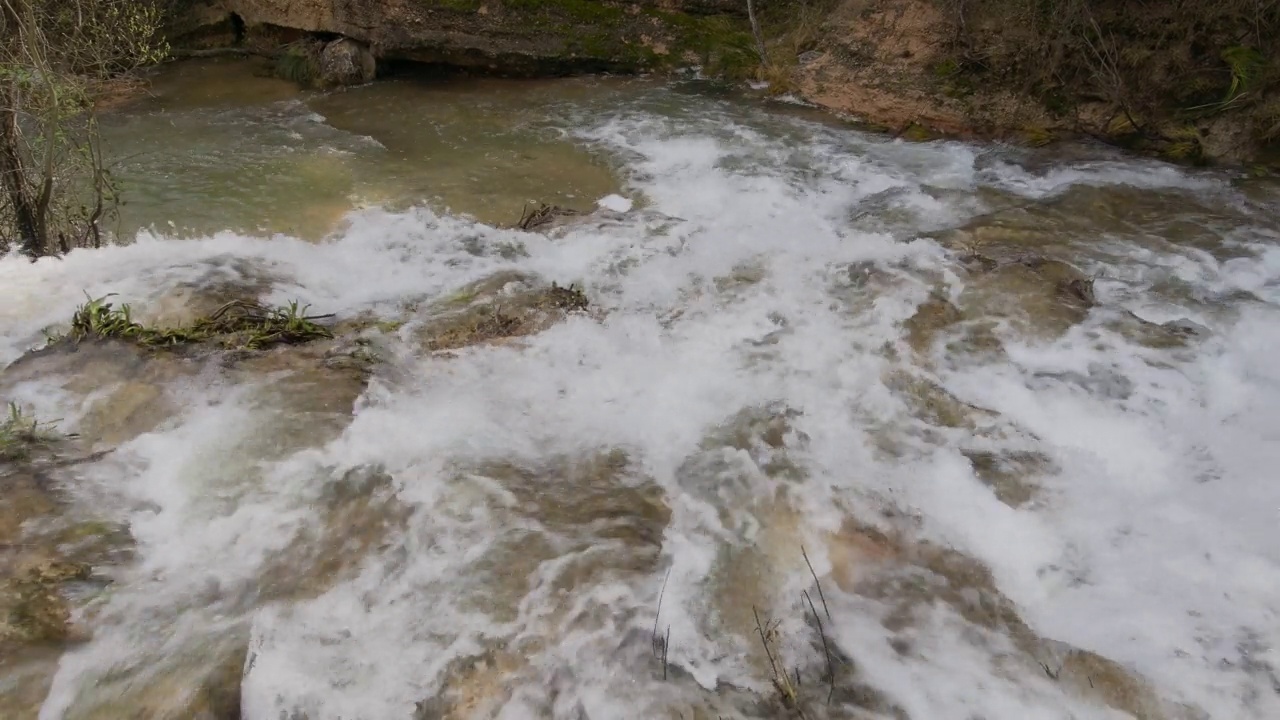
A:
x,y
614,202
1153,543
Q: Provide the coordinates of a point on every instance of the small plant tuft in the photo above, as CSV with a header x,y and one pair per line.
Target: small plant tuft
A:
x,y
1246,64
568,299
99,318
20,434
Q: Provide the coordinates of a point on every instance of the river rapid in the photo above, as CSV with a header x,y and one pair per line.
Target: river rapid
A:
x,y
853,427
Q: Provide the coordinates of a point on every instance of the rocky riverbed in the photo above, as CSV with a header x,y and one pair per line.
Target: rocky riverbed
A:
x,y
782,418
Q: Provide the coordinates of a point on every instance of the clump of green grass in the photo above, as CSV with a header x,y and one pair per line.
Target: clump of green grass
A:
x,y
237,324
1246,65
99,318
20,434
299,63
1037,136
1183,145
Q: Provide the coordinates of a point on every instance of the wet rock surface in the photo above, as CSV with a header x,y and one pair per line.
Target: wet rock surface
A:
x,y
913,577
55,560
360,515
210,284
51,564
126,387
1053,295
932,316
1168,335
202,685
935,405
501,308
1010,474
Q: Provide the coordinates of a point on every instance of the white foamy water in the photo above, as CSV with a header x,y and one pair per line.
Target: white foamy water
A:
x,y
616,203
521,581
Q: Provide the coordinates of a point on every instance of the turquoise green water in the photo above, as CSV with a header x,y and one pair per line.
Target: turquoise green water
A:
x,y
217,146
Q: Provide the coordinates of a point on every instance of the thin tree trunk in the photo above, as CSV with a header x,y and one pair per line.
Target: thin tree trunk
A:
x,y
755,30
13,173
13,176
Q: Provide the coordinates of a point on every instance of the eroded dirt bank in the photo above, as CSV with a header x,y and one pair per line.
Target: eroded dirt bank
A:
x,y
1188,83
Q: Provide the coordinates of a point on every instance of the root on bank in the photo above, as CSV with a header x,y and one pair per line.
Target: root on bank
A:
x,y
534,217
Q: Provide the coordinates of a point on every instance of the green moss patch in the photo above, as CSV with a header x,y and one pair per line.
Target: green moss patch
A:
x,y
627,37
586,11
37,612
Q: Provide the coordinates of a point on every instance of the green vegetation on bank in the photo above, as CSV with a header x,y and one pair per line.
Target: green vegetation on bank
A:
x,y
1165,71
58,60
623,35
789,30
646,38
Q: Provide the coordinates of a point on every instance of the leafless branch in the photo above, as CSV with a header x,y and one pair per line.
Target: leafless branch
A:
x,y
56,58
815,582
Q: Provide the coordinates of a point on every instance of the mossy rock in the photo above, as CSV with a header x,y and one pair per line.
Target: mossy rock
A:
x,y
35,608
917,132
485,312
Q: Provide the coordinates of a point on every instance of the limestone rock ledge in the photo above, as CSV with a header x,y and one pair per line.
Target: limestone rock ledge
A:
x,y
518,37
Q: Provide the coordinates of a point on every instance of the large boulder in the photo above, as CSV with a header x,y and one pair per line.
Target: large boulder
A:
x,y
346,62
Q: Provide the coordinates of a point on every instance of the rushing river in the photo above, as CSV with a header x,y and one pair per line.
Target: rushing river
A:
x,y
811,354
